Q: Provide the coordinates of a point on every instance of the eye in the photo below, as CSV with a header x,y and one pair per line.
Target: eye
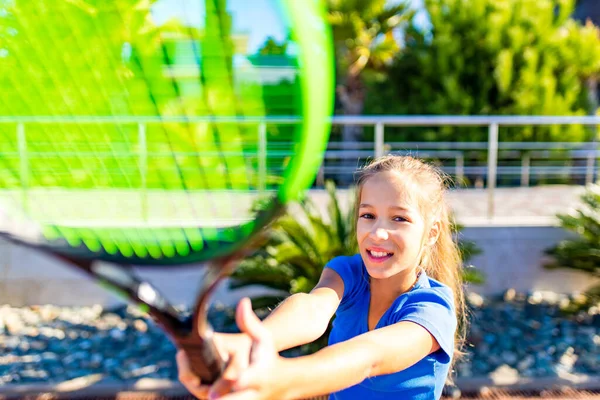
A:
x,y
366,216
399,218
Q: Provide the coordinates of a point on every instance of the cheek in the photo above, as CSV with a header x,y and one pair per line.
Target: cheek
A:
x,y
362,229
407,239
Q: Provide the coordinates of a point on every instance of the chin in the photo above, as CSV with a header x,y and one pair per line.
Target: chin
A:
x,y
380,271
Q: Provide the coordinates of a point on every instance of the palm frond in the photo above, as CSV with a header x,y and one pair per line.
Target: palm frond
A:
x,y
582,251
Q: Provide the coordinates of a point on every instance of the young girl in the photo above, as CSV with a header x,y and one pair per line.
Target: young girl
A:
x,y
397,305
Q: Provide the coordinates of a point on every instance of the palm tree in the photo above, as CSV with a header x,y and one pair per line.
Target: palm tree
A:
x,y
365,39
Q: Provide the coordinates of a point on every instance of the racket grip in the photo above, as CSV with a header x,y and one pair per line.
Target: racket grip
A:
x,y
204,359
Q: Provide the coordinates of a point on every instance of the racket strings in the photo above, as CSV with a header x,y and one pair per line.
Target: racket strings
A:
x,y
17,201
102,175
79,150
92,166
179,238
163,242
26,108
213,62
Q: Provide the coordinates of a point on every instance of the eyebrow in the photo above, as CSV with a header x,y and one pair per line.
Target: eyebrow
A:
x,y
394,207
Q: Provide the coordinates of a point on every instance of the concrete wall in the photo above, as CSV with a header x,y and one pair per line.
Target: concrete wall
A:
x,y
512,258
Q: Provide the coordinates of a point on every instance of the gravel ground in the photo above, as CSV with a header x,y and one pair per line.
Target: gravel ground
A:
x,y
512,338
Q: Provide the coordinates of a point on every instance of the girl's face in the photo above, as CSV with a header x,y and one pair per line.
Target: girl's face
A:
x,y
390,229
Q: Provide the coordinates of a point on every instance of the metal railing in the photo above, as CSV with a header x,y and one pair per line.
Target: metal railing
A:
x,y
491,122
587,151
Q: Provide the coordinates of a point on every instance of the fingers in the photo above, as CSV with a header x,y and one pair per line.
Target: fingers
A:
x,y
188,379
223,385
262,349
248,394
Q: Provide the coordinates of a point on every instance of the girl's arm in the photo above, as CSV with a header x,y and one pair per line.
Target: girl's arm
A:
x,y
301,318
333,368
345,364
304,317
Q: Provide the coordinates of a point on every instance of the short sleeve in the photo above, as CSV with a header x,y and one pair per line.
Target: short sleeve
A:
x,y
349,268
433,309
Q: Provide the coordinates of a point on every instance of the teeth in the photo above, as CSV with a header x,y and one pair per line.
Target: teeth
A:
x,y
379,253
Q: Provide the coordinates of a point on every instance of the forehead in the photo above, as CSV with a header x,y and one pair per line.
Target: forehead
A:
x,y
389,187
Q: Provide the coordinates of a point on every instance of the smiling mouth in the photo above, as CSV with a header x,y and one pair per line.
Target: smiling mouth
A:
x,y
379,255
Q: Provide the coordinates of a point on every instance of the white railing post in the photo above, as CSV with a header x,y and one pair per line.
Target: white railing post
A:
x,y
525,166
143,166
460,168
379,139
492,165
262,156
589,166
23,164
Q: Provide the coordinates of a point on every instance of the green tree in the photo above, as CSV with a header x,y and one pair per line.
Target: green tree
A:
x,y
482,57
272,48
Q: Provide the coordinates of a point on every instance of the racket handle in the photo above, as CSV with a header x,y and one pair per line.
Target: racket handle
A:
x,y
205,361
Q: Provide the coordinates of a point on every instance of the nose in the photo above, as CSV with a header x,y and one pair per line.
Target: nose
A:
x,y
379,234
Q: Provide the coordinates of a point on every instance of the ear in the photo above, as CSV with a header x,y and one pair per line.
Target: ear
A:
x,y
434,232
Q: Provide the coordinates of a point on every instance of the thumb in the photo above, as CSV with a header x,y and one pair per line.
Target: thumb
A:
x,y
248,322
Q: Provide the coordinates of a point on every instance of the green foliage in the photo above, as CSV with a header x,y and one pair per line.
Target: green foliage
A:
x,y
365,44
272,48
296,248
363,33
481,57
468,249
582,252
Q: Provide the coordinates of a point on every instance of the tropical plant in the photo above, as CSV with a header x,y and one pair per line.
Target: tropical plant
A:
x,y
482,57
581,252
296,248
468,249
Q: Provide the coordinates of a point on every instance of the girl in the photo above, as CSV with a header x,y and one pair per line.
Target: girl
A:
x,y
397,305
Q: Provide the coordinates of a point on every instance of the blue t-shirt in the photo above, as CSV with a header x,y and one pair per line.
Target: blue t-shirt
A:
x,y
429,304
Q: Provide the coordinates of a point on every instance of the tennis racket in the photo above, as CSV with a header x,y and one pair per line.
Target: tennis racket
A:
x,y
140,134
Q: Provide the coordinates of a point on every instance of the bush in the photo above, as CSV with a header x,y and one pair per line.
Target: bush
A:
x,y
582,252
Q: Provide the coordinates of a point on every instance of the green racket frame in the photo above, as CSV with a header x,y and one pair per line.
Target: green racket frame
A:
x,y
218,248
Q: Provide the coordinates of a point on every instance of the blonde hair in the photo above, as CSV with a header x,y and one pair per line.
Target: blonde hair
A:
x,y
442,261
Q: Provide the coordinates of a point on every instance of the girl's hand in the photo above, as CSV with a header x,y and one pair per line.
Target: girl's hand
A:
x,y
265,377
188,379
235,348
